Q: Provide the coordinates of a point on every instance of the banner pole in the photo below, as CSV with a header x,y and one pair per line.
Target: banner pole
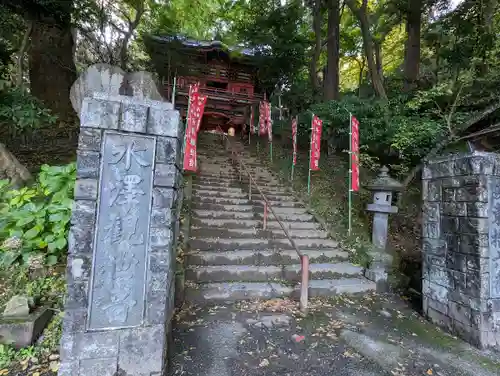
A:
x,y
173,92
187,120
350,174
310,158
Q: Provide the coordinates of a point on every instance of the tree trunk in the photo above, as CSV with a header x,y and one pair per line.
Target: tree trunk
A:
x,y
412,46
333,51
361,75
378,59
317,45
361,14
52,69
20,56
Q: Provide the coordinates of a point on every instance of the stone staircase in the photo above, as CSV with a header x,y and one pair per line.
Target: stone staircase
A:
x,y
231,257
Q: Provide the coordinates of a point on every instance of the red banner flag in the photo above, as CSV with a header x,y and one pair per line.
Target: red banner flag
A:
x,y
294,140
262,119
354,154
269,121
315,153
252,125
201,100
195,114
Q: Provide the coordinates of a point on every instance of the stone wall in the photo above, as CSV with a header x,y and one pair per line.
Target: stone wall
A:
x,y
121,245
461,246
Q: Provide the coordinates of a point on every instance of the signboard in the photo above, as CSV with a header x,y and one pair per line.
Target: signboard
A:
x,y
317,126
120,254
354,154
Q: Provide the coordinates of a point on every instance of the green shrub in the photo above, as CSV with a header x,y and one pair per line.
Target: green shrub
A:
x,y
21,111
34,221
393,132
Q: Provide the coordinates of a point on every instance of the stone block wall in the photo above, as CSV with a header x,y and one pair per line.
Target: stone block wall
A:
x,y
122,239
461,246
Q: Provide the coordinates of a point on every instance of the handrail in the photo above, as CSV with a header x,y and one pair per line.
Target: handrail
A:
x,y
304,286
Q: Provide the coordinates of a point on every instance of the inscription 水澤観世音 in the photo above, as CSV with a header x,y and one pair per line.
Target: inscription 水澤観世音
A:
x,y
119,268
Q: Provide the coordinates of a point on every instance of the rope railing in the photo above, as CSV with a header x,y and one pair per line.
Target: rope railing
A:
x,y
304,259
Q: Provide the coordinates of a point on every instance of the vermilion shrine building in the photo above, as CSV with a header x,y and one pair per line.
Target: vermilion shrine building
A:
x,y
226,75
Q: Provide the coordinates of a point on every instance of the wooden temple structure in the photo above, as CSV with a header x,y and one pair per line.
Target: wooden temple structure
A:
x,y
227,76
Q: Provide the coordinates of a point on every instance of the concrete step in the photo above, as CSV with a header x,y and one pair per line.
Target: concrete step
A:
x,y
209,193
212,244
257,204
243,213
230,184
235,291
251,223
332,287
268,273
274,233
203,189
263,257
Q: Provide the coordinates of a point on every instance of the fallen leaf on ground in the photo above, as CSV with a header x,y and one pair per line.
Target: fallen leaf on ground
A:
x,y
429,372
264,363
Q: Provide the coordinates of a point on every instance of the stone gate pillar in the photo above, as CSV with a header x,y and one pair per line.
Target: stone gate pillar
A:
x,y
461,246
121,244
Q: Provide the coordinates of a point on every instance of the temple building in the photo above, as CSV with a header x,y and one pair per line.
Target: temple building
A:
x,y
228,76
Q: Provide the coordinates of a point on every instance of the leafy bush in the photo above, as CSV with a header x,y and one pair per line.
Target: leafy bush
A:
x,y
35,220
393,133
22,111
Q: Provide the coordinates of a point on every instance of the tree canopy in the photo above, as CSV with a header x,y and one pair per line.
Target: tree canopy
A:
x,y
413,71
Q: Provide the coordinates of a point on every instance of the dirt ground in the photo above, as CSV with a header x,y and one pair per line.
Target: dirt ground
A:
x,y
365,336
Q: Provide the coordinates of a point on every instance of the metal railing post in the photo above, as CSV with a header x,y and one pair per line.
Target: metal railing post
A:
x,y
304,259
304,286
265,216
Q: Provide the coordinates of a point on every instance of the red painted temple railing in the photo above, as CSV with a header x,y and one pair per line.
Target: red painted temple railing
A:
x,y
214,93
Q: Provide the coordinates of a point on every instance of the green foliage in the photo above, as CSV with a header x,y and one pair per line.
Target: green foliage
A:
x,y
394,133
21,111
35,220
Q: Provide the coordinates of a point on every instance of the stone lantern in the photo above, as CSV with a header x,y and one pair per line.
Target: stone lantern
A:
x,y
383,188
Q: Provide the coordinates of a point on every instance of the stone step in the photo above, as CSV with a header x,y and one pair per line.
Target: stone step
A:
x,y
250,223
257,202
274,233
209,205
207,193
235,291
212,244
263,257
231,184
233,174
244,214
203,189
332,287
269,273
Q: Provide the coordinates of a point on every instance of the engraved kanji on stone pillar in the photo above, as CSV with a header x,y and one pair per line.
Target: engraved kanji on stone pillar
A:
x,y
123,229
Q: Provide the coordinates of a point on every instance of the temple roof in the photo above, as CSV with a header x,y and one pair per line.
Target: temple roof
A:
x,y
202,44
170,44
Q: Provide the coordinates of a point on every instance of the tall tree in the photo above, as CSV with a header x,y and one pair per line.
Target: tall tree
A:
x,y
412,46
317,19
50,56
361,13
331,86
